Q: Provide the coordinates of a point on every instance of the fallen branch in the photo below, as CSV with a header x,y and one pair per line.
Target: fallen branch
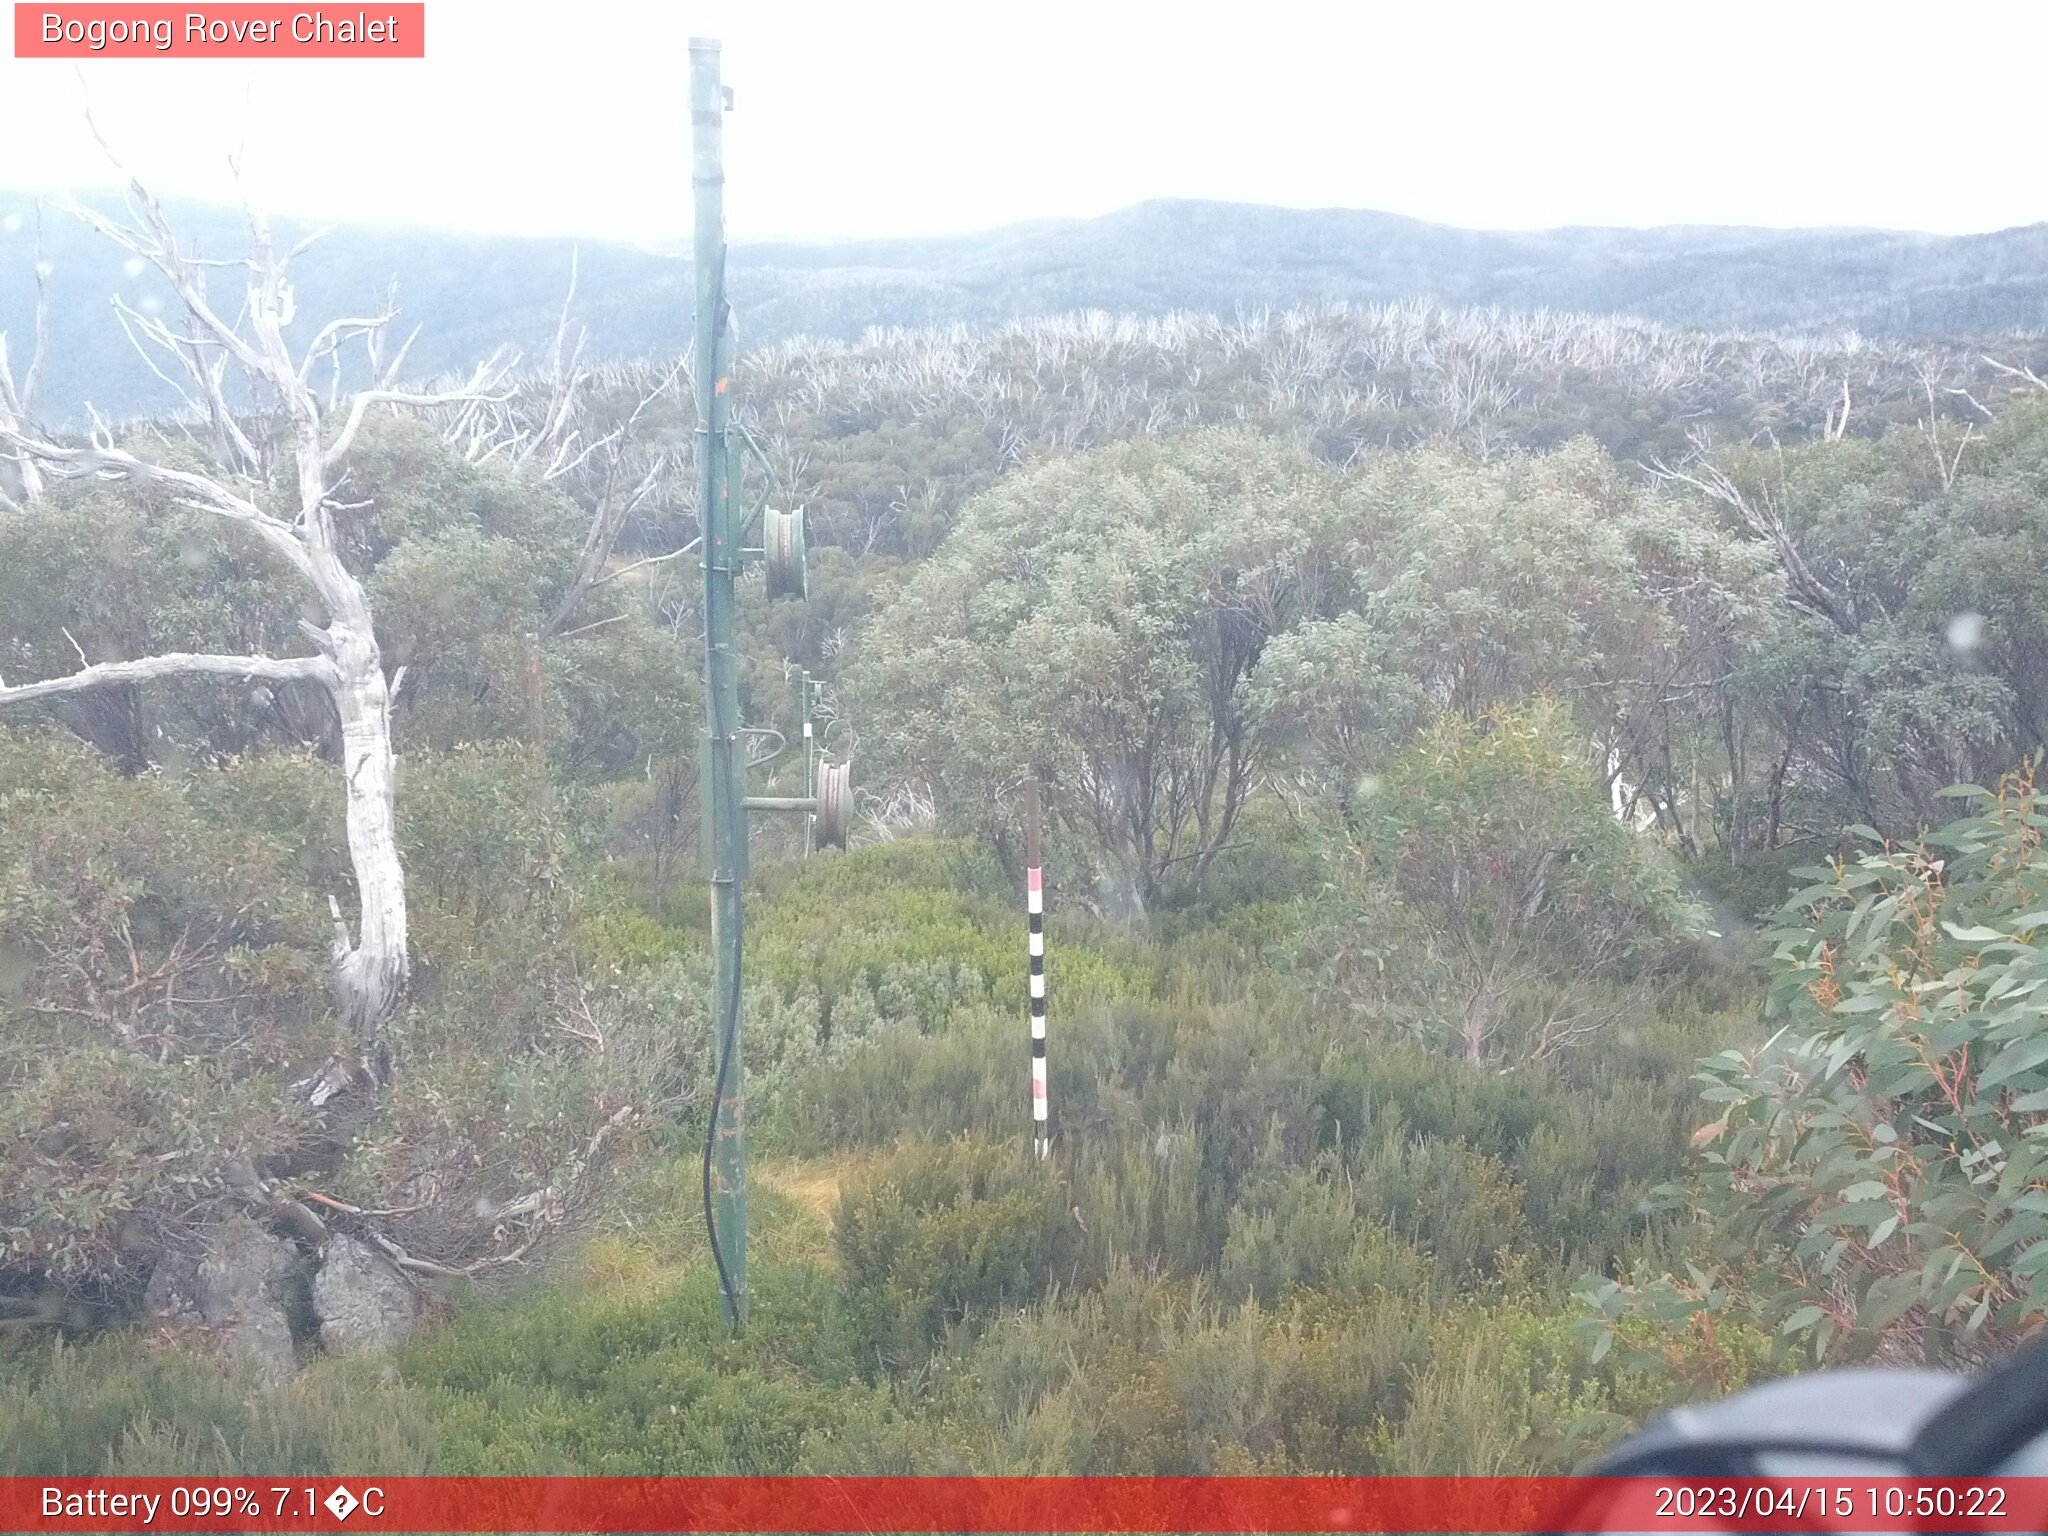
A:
x,y
356,1210
545,1205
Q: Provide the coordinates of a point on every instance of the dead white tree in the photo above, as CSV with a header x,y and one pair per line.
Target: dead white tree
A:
x,y
21,482
542,428
622,480
1946,463
282,426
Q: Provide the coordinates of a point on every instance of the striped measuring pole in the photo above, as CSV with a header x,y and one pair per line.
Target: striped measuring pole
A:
x,y
1034,907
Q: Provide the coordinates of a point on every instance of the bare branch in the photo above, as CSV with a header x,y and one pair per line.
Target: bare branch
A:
x,y
1762,518
1945,463
612,511
2011,372
130,321
200,492
335,334
568,301
306,244
627,570
565,375
1975,404
1838,426
159,247
611,515
489,376
568,458
387,374
282,669
584,629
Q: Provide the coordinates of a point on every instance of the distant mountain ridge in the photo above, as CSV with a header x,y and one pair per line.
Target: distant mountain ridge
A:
x,y
470,293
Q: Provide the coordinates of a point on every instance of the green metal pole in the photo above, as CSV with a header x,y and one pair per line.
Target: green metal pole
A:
x,y
810,762
722,768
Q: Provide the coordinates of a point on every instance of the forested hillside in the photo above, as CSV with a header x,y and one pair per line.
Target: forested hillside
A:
x,y
1546,899
473,294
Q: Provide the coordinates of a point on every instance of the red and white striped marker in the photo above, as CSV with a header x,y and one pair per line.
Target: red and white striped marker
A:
x,y
1034,907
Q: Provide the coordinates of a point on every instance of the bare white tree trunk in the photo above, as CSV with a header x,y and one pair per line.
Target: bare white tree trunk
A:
x,y
371,966
21,480
370,975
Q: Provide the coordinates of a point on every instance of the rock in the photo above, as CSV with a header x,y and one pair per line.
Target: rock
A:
x,y
236,1289
362,1301
243,1280
173,1292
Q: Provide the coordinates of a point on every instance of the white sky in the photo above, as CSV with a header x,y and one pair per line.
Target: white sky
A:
x,y
889,117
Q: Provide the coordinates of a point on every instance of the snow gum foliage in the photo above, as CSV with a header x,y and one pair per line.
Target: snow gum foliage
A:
x,y
1099,620
1874,1179
160,971
1484,896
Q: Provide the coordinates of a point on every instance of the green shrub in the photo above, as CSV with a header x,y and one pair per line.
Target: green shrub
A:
x,y
166,975
1490,858
130,1407
1873,1182
939,1235
1311,1228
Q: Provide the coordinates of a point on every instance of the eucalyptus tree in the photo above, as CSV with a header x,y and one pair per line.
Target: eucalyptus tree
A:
x,y
1097,620
1910,647
1474,584
1500,897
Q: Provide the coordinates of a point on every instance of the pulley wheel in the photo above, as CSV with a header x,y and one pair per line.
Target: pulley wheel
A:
x,y
782,545
834,816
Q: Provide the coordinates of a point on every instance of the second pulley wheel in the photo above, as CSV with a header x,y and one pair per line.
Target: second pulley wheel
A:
x,y
834,817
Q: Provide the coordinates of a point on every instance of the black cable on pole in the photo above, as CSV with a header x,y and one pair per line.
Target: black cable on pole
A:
x,y
728,1032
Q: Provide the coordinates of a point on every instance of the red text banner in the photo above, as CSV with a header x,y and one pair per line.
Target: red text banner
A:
x,y
1019,1504
234,31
